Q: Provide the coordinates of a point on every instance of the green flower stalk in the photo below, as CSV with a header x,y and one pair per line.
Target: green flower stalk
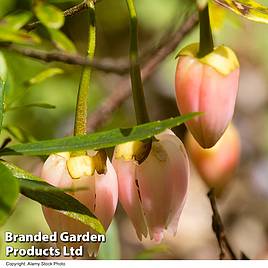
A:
x,y
135,73
80,126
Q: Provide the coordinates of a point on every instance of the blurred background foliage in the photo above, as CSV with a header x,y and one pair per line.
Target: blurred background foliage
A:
x,y
244,205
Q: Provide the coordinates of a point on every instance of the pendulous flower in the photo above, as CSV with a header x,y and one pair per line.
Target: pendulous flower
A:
x,y
94,175
209,85
216,165
152,191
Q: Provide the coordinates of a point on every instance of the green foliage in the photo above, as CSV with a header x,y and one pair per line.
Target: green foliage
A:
x,y
61,41
34,188
49,15
249,9
3,76
9,192
16,21
55,198
32,105
18,172
10,29
64,1
18,133
2,86
97,140
19,37
111,249
40,77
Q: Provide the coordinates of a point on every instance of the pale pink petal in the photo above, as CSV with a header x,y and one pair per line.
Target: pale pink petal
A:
x,y
217,99
163,179
106,190
129,194
55,172
179,170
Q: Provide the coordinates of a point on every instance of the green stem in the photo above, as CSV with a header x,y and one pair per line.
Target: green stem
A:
x,y
206,39
135,73
80,126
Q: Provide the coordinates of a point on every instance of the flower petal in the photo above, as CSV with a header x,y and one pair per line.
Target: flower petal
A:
x,y
129,194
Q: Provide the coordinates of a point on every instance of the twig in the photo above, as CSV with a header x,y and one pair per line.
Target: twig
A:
x,y
75,10
105,65
218,229
123,89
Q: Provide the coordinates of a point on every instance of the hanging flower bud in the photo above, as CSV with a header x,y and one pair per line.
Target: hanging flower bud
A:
x,y
209,85
95,175
217,164
152,191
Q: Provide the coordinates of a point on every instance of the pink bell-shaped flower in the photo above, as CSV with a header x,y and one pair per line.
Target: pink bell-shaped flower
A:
x,y
216,165
99,193
153,192
208,85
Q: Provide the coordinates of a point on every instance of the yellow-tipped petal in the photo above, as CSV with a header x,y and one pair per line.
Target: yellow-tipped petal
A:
x,y
65,155
222,59
79,166
134,150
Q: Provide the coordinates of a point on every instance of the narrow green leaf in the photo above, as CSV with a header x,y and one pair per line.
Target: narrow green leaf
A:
x,y
19,37
3,67
2,94
111,249
90,221
32,105
49,15
61,41
97,140
63,1
40,77
3,79
249,9
16,21
9,192
23,174
19,134
18,172
55,198
36,189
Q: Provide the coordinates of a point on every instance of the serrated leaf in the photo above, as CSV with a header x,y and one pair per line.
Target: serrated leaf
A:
x,y
61,41
97,140
40,77
49,15
52,197
19,37
9,192
16,21
249,9
32,105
